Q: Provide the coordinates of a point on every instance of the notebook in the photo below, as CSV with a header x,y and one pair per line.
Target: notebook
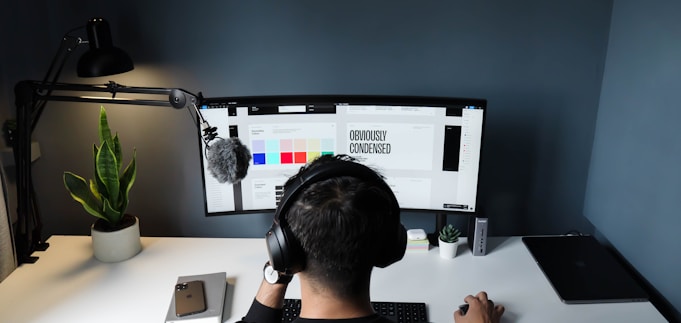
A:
x,y
582,271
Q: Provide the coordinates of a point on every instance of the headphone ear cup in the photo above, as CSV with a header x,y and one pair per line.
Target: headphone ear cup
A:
x,y
275,248
284,251
394,248
394,242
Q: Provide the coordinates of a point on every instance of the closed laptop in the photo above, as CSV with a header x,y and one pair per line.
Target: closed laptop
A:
x,y
583,271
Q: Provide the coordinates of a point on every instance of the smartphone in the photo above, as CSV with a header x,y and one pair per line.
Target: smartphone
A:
x,y
189,298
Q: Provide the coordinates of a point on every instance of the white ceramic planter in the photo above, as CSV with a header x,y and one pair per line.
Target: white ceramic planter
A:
x,y
118,245
448,249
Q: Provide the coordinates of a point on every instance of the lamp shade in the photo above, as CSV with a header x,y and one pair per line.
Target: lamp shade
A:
x,y
102,58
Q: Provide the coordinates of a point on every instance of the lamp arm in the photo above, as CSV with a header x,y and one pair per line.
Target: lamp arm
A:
x,y
66,47
68,44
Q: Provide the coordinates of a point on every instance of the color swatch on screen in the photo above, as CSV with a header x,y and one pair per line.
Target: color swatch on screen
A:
x,y
290,151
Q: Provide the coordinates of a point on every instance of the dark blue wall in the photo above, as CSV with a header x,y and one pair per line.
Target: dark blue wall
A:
x,y
634,190
538,63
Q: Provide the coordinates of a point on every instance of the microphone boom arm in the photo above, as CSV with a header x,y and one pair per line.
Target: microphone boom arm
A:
x,y
177,98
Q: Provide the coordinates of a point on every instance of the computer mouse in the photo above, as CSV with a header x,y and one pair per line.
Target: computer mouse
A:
x,y
464,307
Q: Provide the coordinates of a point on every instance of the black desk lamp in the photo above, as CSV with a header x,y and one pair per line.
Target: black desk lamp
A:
x,y
31,96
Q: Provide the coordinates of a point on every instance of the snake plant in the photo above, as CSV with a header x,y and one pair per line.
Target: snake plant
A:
x,y
105,196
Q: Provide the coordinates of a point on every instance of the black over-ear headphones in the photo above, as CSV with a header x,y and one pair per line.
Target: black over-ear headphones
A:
x,y
286,253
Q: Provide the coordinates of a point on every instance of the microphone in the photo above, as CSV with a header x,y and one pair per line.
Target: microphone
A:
x,y
228,159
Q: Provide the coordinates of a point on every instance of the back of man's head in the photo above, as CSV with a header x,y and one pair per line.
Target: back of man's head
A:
x,y
344,225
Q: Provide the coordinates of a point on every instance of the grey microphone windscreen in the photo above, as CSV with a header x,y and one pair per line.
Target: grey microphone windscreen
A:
x,y
228,160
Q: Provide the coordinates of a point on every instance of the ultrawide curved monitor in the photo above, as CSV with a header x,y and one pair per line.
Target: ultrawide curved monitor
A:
x,y
428,148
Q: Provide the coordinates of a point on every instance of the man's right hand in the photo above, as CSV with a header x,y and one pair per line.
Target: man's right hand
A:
x,y
480,310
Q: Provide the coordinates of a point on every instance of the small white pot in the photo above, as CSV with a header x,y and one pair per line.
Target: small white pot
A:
x,y
118,245
448,249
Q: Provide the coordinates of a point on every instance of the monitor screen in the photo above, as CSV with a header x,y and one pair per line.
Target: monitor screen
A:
x,y
427,148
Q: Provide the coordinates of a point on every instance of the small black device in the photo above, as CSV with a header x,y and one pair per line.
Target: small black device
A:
x,y
189,298
286,254
464,308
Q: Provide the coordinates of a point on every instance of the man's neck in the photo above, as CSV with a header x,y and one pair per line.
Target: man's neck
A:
x,y
319,303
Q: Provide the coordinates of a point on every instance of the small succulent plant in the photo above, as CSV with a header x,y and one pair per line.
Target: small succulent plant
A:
x,y
449,234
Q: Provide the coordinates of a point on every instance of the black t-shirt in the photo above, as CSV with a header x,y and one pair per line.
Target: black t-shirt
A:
x,y
259,313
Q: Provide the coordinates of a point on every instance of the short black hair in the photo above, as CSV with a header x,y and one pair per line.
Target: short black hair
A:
x,y
337,222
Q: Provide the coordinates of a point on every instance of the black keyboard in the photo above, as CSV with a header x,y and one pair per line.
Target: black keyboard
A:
x,y
398,312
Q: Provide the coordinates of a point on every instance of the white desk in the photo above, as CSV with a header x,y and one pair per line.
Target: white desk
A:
x,y
68,285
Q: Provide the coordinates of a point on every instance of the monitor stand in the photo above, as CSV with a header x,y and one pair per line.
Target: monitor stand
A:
x,y
440,222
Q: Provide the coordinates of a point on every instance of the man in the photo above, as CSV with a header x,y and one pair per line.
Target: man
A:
x,y
336,221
